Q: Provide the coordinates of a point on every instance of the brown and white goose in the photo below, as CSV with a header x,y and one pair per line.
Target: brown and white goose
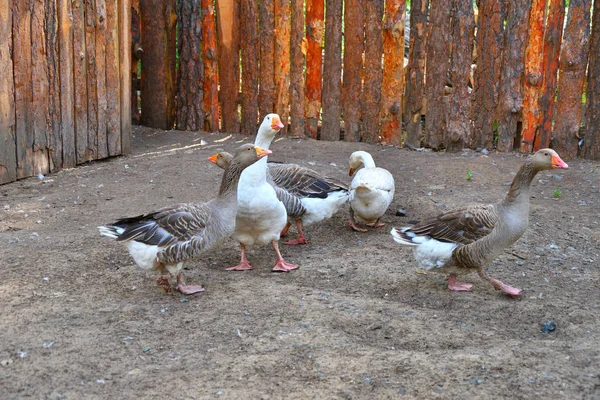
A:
x,y
165,239
308,196
466,239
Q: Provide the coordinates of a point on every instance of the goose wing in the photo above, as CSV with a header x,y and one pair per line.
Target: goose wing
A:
x,y
303,182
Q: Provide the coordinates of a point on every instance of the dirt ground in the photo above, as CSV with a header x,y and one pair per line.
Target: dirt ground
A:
x,y
78,319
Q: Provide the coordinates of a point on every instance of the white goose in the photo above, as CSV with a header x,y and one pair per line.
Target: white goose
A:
x,y
371,190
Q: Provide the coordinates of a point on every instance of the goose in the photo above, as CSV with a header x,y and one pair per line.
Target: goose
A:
x,y
261,216
308,196
371,190
165,239
466,239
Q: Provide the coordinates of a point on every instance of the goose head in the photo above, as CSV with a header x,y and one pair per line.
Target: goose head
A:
x,y
360,159
547,159
221,160
248,154
268,128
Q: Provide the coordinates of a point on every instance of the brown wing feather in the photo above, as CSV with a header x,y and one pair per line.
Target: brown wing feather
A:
x,y
302,181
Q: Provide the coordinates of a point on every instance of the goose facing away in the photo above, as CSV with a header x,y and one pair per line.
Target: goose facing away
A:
x,y
371,191
308,196
165,239
261,215
466,239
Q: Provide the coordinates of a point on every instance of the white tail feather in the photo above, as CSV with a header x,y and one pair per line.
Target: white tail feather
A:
x,y
110,231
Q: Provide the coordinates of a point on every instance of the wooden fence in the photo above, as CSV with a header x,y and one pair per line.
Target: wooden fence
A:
x,y
502,75
64,84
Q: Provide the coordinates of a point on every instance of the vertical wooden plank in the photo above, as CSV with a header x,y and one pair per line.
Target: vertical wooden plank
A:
x,y
415,74
67,93
136,58
458,134
487,76
249,46
100,39
190,77
552,41
39,88
282,61
92,88
229,56
332,70
8,152
371,96
533,75
297,57
211,74
393,71
80,81
591,143
573,63
113,104
510,99
124,12
53,117
438,53
266,95
315,29
354,45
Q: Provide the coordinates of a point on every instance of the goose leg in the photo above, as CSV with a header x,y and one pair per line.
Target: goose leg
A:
x,y
301,238
353,224
376,224
458,286
281,265
164,278
285,230
499,285
244,264
187,289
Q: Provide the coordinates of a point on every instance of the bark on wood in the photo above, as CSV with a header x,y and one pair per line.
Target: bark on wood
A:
x,y
297,62
438,53
573,63
315,30
92,89
40,90
229,56
211,74
415,74
80,81
266,95
533,75
591,144
330,130
393,72
67,90
158,64
487,76
113,119
138,51
552,41
510,99
101,77
249,46
190,78
53,133
8,159
354,44
459,131
124,11
371,96
282,61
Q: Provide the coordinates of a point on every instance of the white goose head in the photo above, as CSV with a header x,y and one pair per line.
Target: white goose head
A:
x,y
268,129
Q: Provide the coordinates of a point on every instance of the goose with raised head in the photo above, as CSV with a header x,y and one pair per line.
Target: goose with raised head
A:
x,y
165,239
467,239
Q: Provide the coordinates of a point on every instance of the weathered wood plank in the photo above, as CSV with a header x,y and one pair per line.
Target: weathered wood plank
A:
x,y
510,98
393,72
113,104
266,95
458,129
80,81
332,70
67,90
297,69
315,30
591,143
229,74
249,46
138,52
124,11
92,88
282,61
100,39
573,63
438,53
415,74
53,133
373,76
8,143
211,74
40,88
354,46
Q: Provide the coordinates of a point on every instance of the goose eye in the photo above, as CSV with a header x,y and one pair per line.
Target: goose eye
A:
x,y
546,153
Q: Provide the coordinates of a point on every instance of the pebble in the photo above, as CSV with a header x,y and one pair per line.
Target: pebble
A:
x,y
476,381
6,362
368,380
401,213
548,326
48,345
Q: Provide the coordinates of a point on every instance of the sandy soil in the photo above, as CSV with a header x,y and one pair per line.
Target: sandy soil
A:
x,y
78,319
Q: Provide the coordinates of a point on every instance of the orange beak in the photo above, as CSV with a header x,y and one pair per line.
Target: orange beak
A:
x,y
213,158
351,171
260,152
558,163
276,124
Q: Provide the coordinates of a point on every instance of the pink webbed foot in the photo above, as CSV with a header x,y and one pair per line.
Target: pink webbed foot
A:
x,y
376,224
300,240
283,266
244,265
190,289
356,227
458,286
505,288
